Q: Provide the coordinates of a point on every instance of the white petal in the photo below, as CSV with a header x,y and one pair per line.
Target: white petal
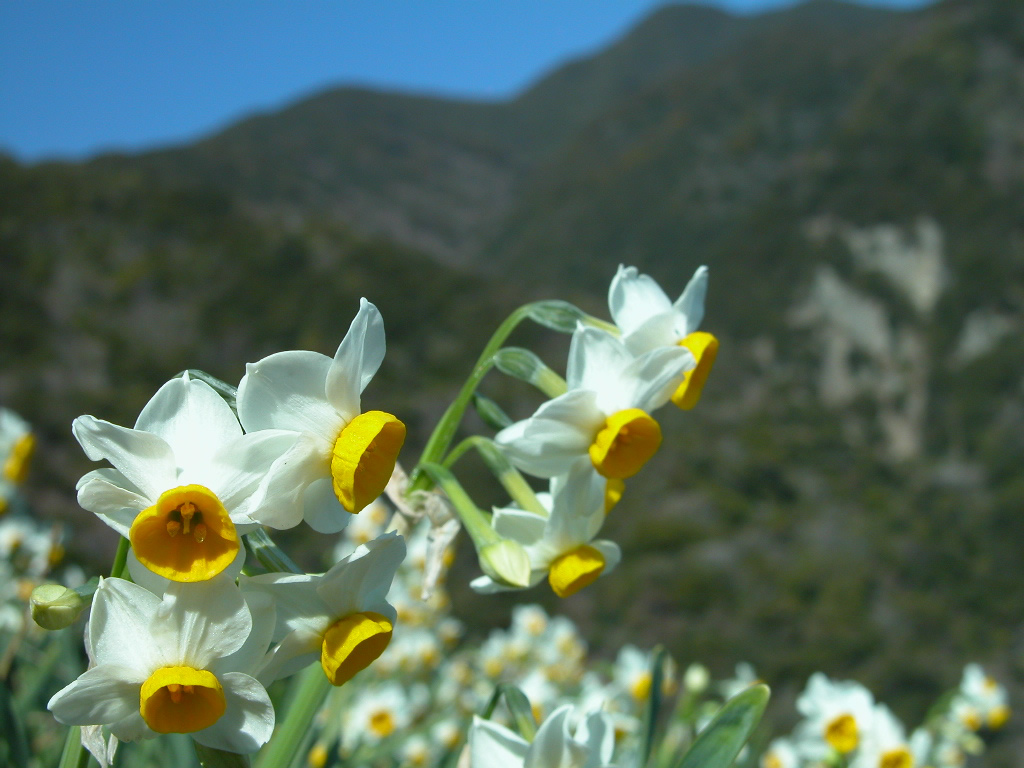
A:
x,y
559,432
191,417
202,621
297,651
494,746
248,658
321,508
108,494
658,331
611,552
101,695
524,527
484,585
364,577
596,360
132,728
633,297
239,472
120,625
690,303
548,747
287,390
146,460
358,357
658,374
598,733
299,605
248,720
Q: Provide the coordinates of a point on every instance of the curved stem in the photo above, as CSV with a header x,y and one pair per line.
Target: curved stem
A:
x,y
289,738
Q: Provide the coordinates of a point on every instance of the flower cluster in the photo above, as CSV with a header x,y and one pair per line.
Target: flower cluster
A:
x,y
843,724
182,648
600,430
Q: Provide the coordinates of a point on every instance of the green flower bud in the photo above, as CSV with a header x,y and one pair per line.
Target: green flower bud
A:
x,y
506,562
54,606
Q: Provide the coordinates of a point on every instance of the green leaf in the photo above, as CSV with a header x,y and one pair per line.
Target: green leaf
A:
x,y
518,705
718,745
218,758
491,413
653,706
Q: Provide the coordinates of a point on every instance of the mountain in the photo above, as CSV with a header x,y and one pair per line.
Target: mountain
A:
x,y
847,495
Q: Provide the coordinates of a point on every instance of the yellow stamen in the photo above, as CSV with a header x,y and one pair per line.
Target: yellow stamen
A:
x,y
998,716
16,466
364,457
181,700
971,718
641,687
187,509
613,491
896,758
842,733
625,443
382,723
571,572
704,347
351,644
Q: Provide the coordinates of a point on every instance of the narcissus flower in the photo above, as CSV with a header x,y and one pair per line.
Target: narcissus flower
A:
x,y
837,716
554,746
649,320
17,444
604,415
341,616
343,458
176,664
885,743
183,480
561,547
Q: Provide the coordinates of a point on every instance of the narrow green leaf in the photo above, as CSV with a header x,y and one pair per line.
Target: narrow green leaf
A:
x,y
522,712
218,758
653,707
718,745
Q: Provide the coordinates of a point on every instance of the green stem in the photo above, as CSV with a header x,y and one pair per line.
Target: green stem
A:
x,y
444,432
121,558
74,754
288,740
510,477
473,518
269,554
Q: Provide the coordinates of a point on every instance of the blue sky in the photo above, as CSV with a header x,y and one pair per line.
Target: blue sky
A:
x,y
78,77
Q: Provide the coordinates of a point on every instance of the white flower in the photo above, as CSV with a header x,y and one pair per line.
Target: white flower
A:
x,y
837,715
884,743
560,547
981,701
604,415
17,444
341,616
182,483
344,458
632,673
377,713
780,754
177,664
648,320
494,746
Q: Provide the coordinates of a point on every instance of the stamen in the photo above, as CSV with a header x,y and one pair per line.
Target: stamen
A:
x,y
200,533
175,690
173,528
187,510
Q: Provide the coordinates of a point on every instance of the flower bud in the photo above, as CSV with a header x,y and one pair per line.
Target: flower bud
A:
x,y
506,562
696,678
54,606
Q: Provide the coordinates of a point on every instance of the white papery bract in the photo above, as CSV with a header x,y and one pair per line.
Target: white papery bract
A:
x,y
176,664
183,480
341,616
561,546
604,415
555,745
343,458
648,320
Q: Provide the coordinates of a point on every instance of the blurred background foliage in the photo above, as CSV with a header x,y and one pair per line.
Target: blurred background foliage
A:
x,y
847,497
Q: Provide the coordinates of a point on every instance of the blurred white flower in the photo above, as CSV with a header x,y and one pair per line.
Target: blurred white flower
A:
x,y
554,746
